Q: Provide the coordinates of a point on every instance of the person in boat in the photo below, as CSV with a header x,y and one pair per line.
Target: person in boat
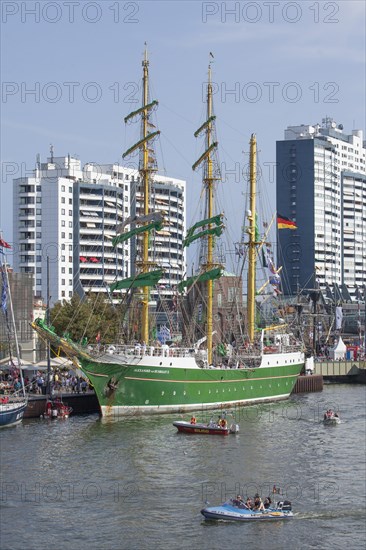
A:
x,y
249,503
258,504
222,422
193,420
239,501
267,502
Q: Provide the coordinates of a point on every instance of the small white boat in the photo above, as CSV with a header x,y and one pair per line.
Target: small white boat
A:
x,y
331,418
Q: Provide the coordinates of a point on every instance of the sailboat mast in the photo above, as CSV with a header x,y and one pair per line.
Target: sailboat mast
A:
x,y
17,350
145,176
252,238
210,206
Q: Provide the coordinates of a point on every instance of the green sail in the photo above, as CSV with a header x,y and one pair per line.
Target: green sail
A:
x,y
213,231
143,279
128,234
207,276
209,221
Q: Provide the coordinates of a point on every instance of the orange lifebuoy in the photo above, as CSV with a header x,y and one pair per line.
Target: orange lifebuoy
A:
x,y
193,420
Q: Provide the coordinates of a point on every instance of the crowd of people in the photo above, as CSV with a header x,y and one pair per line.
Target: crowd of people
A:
x,y
62,381
256,504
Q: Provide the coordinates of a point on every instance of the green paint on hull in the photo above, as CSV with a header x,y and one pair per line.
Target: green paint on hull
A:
x,y
173,389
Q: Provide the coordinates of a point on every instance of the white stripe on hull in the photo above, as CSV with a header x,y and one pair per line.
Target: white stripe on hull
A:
x,y
120,410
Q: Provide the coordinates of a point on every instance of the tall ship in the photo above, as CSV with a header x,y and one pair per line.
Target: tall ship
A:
x,y
141,377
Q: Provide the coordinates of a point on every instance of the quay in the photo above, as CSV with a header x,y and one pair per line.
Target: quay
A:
x,y
81,403
343,371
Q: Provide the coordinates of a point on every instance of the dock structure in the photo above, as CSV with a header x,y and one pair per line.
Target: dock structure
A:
x,y
308,384
81,403
351,371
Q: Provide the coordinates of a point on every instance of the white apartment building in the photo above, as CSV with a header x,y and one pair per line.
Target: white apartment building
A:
x,y
321,185
65,217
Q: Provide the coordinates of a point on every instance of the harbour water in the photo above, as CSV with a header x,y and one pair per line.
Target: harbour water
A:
x,y
136,483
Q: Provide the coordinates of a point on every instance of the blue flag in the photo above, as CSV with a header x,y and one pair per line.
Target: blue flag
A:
x,y
3,305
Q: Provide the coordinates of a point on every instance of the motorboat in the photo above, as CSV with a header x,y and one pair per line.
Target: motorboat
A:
x,y
331,418
212,428
235,510
55,408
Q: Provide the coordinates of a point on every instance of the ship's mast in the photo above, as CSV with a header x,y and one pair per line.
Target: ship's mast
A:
x,y
209,182
146,167
252,238
16,341
145,172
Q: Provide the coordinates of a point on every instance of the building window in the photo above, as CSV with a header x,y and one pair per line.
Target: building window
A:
x,y
62,211
63,200
63,235
62,270
219,300
39,211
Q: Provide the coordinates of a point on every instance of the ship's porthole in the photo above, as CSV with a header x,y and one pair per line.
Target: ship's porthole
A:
x,y
251,387
146,402
184,393
209,391
199,392
270,385
217,391
162,393
174,392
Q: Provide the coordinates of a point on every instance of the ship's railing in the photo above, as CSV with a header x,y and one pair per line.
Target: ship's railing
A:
x,y
142,351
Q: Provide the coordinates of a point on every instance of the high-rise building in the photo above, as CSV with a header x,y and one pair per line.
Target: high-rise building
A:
x,y
321,185
65,217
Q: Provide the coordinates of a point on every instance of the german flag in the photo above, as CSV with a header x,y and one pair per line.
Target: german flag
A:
x,y
285,223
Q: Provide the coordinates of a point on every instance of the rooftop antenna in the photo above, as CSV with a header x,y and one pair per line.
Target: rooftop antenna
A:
x,y
51,153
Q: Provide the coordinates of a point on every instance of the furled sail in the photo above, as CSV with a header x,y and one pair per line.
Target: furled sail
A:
x,y
206,276
149,278
128,234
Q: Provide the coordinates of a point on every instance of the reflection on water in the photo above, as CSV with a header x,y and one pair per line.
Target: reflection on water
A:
x,y
137,483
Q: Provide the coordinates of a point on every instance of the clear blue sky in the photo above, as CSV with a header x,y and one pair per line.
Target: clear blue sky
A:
x,y
275,64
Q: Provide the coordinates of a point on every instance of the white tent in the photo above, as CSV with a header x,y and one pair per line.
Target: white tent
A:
x,y
339,350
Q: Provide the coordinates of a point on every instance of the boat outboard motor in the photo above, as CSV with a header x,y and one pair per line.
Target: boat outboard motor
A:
x,y
284,505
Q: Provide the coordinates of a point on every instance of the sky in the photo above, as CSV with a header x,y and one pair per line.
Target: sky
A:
x,y
71,71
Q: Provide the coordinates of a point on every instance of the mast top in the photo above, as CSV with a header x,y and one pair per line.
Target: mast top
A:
x,y
145,62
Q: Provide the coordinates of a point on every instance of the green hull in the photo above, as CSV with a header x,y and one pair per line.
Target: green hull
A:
x,y
136,389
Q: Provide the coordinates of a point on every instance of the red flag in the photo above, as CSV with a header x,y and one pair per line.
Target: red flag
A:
x,y
4,244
